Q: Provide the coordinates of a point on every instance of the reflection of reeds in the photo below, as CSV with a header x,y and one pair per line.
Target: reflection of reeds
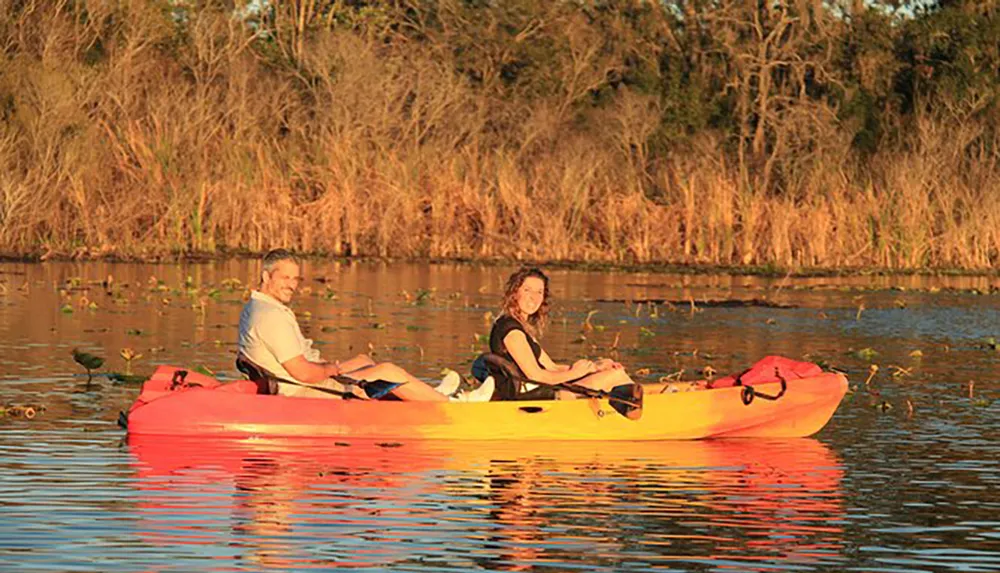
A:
x,y
367,150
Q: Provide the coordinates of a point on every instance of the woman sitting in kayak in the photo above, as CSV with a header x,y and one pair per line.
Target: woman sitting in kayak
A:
x,y
514,337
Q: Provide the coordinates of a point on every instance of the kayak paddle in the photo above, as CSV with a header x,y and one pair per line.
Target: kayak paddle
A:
x,y
626,399
374,389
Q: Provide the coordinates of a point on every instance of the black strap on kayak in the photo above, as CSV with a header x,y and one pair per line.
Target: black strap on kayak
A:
x,y
179,380
749,392
737,382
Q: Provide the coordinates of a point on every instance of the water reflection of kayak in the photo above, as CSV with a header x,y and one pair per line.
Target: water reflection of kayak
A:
x,y
200,405
165,455
763,501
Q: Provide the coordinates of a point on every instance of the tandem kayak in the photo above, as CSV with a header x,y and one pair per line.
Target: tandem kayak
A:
x,y
797,403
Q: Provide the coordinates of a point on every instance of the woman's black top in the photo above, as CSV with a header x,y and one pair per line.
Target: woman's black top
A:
x,y
504,326
511,390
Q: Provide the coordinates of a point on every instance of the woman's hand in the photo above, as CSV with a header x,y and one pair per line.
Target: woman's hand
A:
x,y
607,364
583,367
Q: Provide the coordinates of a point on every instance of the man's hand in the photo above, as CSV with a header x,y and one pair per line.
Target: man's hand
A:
x,y
310,372
331,369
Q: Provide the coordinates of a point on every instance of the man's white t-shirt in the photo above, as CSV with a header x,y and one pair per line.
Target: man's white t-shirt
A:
x,y
270,335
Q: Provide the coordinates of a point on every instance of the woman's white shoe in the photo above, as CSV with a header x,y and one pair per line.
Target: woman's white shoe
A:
x,y
481,394
449,384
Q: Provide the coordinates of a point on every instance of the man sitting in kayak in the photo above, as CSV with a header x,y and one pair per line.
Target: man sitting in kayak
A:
x,y
271,340
514,337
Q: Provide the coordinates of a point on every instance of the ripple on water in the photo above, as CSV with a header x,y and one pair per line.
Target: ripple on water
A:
x,y
883,489
299,505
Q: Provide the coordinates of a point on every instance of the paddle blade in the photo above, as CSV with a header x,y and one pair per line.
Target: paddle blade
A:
x,y
627,400
376,389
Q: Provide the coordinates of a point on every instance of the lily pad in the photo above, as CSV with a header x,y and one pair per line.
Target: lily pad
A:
x,y
120,378
202,369
866,353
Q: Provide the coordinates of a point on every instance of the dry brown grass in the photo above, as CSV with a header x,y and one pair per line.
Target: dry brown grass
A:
x,y
369,149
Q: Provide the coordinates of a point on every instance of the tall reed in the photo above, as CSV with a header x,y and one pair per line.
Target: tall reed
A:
x,y
127,130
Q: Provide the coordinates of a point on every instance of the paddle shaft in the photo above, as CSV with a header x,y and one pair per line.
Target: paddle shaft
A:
x,y
347,381
590,392
246,366
579,390
626,399
510,369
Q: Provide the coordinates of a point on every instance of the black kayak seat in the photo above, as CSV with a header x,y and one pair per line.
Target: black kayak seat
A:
x,y
266,383
510,382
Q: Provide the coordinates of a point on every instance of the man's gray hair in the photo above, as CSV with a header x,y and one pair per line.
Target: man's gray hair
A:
x,y
275,256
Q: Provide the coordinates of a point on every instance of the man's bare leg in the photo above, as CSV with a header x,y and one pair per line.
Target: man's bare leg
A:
x,y
412,390
356,363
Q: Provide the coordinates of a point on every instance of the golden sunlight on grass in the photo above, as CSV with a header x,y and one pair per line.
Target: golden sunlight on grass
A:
x,y
139,140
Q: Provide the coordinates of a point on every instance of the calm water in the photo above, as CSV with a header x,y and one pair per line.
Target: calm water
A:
x,y
882,488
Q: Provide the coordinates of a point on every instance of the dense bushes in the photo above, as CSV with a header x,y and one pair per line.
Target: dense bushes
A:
x,y
797,134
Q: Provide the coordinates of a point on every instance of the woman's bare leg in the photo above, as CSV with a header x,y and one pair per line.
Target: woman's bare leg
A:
x,y
605,380
412,390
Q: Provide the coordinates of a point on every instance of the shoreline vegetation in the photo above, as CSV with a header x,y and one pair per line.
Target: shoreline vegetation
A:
x,y
693,269
786,136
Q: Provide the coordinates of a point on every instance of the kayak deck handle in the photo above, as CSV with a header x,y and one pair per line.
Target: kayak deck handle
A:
x,y
749,393
531,409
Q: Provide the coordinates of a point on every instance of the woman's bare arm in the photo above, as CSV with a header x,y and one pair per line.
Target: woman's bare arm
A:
x,y
546,361
516,343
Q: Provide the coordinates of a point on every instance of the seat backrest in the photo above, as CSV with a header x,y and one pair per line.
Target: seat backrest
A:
x,y
265,382
505,374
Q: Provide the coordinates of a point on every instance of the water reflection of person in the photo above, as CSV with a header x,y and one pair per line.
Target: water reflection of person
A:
x,y
530,496
264,503
271,497
277,502
741,501
519,536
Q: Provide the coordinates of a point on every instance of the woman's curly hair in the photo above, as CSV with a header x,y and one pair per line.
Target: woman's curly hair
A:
x,y
535,324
